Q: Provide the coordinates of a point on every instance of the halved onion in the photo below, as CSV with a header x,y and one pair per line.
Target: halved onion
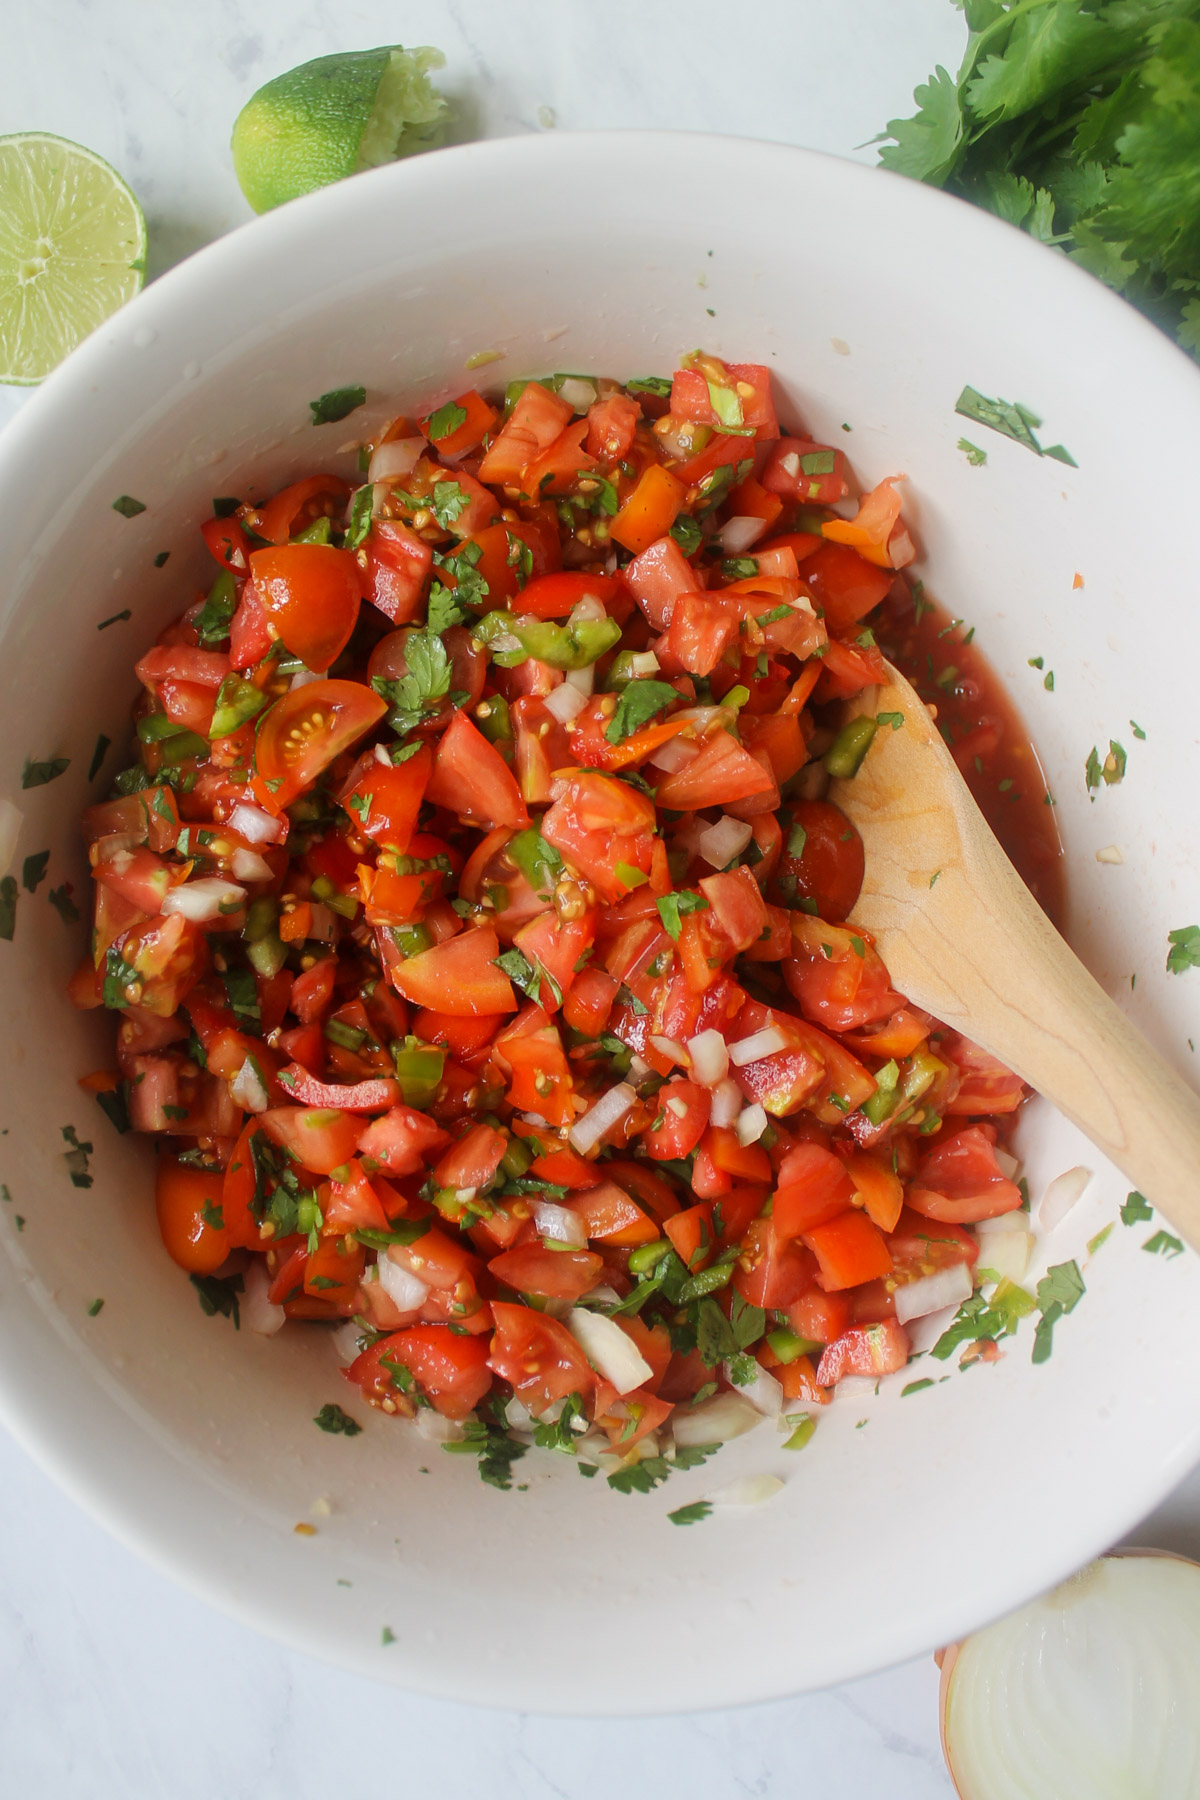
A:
x,y
747,1490
720,843
946,1287
399,456
709,1055
727,1103
565,702
1061,1195
205,899
609,1108
257,826
1092,1690
609,1349
767,1042
714,1421
401,1285
737,534
560,1223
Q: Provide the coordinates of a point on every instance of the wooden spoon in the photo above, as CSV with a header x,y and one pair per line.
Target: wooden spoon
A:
x,y
963,938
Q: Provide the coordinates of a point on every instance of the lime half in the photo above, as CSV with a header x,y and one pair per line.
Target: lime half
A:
x,y
72,249
335,117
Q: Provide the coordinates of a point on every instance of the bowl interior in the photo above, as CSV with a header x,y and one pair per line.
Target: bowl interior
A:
x,y
874,301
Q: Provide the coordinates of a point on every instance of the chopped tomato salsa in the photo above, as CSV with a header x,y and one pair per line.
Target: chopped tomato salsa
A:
x,y
479,929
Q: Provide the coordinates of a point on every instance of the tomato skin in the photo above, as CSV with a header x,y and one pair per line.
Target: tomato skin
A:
x,y
312,593
985,1084
538,1356
181,1195
612,425
868,1350
321,1138
471,778
960,1182
538,417
473,1160
920,1247
392,797
356,1097
554,1274
227,544
722,775
701,630
306,730
295,507
830,867
588,1003
452,1370
656,579
555,596
250,633
675,1132
820,1316
457,976
398,565
182,662
838,978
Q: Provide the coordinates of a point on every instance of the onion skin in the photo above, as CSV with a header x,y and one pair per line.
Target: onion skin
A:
x,y
948,1657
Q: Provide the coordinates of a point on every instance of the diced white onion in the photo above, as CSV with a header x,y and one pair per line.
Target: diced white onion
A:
x,y
382,757
1061,1196
639,1068
399,456
435,1429
304,678
565,703
714,1421
1007,1252
790,464
762,1390
1009,1221
721,842
1094,1688
747,1490
609,1349
257,826
205,899
737,534
1007,1165
924,1333
709,1054
257,1312
608,1110
518,1416
727,1103
10,830
751,1124
559,1223
767,1042
577,392
670,1049
644,662
583,679
115,848
247,1089
674,754
248,865
946,1287
1110,854
605,1295
401,1286
589,607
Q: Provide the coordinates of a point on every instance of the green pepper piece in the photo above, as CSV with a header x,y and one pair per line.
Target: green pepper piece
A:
x,y
570,646
237,701
418,1069
844,756
493,719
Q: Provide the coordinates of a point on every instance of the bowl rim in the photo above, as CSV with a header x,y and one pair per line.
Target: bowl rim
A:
x,y
106,1496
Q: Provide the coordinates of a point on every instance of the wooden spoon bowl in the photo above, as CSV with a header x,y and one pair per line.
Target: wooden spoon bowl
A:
x,y
963,938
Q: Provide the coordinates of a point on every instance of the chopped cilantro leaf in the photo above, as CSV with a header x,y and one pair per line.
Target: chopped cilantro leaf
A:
x,y
974,455
331,1418
1135,1209
640,701
33,870
127,506
672,908
37,774
218,1294
337,404
1185,949
690,1515
445,421
1163,1244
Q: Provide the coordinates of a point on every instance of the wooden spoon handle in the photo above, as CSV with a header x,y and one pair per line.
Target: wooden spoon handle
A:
x,y
975,949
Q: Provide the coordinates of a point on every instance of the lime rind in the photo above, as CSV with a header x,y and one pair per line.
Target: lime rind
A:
x,y
72,250
333,117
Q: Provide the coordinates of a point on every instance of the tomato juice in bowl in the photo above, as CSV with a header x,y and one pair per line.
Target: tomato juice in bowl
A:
x,y
177,402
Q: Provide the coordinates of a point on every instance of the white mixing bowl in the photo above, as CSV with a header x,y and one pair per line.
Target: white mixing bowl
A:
x,y
906,1521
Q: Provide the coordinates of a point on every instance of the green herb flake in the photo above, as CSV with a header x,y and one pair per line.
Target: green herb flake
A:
x,y
337,404
38,774
974,455
76,1158
127,506
673,908
1137,730
162,559
1184,952
387,1636
445,421
691,1515
804,1425
926,1381
8,907
60,899
650,384
1058,1293
639,702
331,1418
1100,1238
98,754
219,1295
687,534
114,619
33,870
95,1308
894,719
1163,1244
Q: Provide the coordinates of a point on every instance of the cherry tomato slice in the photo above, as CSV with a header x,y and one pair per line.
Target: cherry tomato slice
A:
x,y
305,731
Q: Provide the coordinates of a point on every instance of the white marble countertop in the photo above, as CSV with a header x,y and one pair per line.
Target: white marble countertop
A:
x,y
114,1683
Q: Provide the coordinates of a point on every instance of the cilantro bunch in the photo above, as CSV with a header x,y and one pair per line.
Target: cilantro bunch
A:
x,y
1079,121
